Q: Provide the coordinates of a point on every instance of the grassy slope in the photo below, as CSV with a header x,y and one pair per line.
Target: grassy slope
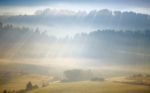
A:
x,y
92,87
16,76
21,81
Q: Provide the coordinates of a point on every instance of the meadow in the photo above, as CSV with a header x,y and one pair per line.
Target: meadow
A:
x,y
92,87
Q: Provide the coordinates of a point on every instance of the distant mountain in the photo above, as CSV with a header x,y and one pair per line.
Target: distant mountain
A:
x,y
49,19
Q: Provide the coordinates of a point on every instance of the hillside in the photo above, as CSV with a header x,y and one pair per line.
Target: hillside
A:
x,y
92,87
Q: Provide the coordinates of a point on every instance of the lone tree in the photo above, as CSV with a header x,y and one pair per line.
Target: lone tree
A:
x,y
5,91
1,25
29,86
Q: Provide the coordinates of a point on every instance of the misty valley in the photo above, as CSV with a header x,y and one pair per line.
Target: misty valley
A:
x,y
74,46
31,56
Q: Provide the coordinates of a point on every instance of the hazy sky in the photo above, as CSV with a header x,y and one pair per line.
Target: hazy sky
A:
x,y
16,7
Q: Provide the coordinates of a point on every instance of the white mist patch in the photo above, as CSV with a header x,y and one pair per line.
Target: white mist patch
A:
x,y
59,31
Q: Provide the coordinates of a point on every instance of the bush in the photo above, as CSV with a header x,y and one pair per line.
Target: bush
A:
x,y
97,79
29,86
78,75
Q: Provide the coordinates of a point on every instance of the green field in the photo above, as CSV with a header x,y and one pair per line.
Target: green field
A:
x,y
92,87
